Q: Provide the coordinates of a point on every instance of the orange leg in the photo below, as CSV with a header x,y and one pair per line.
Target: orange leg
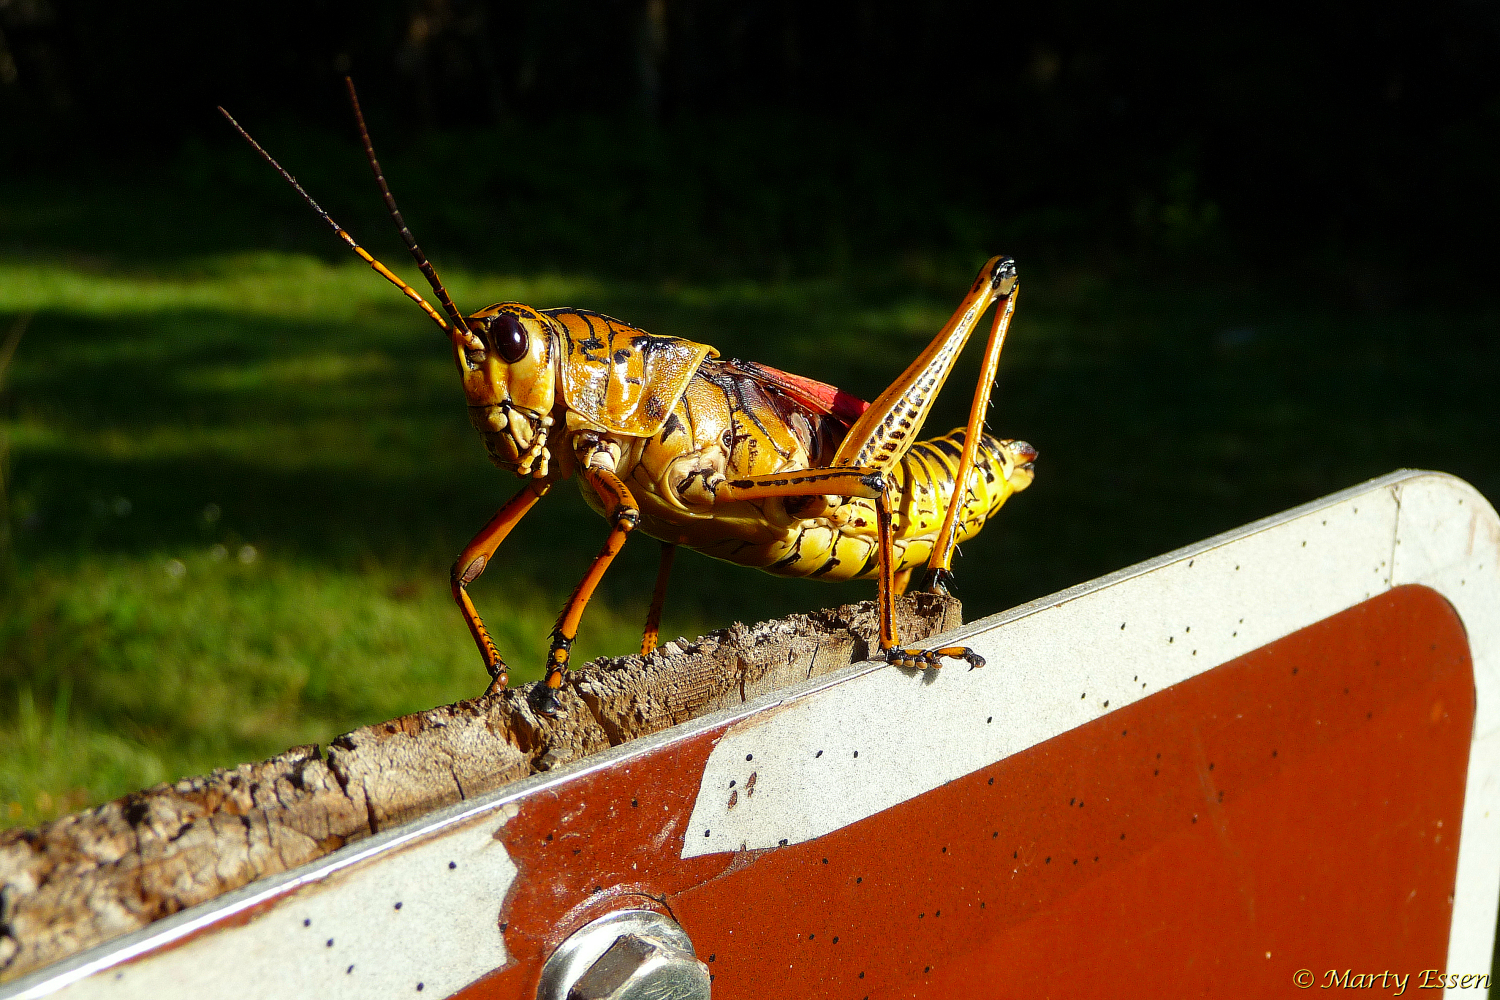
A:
x,y
623,516
658,598
940,565
873,485
472,561
885,431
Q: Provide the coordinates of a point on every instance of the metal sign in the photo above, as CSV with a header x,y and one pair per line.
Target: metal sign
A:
x,y
1263,762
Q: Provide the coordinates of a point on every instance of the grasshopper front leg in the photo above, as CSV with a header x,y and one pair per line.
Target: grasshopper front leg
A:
x,y
874,485
472,561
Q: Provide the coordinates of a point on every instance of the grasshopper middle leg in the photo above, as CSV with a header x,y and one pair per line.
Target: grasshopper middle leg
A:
x,y
623,515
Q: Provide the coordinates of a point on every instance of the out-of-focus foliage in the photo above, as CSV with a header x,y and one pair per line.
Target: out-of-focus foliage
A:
x,y
236,483
684,137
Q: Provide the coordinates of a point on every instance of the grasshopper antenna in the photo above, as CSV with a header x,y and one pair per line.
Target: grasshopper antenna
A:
x,y
378,267
390,203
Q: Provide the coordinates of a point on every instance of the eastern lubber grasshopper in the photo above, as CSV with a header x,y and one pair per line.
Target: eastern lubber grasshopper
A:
x,y
739,461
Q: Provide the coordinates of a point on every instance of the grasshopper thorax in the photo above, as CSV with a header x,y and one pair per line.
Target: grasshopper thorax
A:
x,y
510,381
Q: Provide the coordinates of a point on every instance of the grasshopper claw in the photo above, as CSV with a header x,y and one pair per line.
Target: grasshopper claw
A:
x,y
544,701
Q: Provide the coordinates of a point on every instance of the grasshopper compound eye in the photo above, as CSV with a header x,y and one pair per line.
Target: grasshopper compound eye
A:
x,y
509,337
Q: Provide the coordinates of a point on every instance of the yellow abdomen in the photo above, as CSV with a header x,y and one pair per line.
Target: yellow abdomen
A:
x,y
923,488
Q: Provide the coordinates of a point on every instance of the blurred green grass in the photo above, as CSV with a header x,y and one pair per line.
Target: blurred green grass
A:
x,y
237,480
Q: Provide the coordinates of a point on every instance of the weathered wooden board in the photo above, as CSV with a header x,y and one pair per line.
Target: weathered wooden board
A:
x,y
93,876
1271,754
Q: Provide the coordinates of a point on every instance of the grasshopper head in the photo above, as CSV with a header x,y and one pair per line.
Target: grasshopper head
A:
x,y
509,377
504,352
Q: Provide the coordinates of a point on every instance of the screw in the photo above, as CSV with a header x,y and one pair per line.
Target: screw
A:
x,y
645,968
627,955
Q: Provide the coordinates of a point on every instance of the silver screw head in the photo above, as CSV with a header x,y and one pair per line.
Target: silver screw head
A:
x,y
637,968
626,955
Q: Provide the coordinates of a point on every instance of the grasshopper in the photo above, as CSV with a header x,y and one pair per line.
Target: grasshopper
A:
x,y
735,459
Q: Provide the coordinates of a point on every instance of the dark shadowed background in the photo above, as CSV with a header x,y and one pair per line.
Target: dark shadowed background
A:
x,y
1256,247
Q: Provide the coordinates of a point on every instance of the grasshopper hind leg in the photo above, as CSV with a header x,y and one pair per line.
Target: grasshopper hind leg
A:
x,y
931,659
939,567
872,484
890,648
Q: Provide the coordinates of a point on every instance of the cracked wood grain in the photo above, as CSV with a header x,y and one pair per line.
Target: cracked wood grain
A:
x,y
87,878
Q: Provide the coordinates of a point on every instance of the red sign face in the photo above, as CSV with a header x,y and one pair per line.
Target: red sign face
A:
x,y
1295,809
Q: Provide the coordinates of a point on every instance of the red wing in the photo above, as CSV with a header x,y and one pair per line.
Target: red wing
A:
x,y
820,396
